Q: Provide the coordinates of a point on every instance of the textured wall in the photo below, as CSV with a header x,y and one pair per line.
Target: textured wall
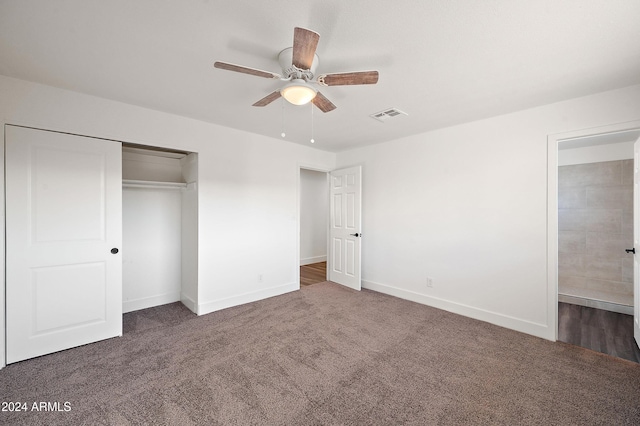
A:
x,y
595,225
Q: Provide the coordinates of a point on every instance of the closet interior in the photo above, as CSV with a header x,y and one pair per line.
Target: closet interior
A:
x,y
159,227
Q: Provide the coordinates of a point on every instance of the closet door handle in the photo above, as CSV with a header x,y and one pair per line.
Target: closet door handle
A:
x,y
633,250
114,251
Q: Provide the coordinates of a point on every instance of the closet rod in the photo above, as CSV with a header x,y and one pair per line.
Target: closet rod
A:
x,y
127,183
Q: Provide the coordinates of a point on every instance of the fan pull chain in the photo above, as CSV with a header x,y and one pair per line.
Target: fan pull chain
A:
x,y
312,140
283,134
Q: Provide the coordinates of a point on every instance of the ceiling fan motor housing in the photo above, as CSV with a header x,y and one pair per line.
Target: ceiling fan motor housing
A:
x,y
285,59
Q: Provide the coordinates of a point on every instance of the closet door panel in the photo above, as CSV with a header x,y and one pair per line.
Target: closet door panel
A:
x,y
64,204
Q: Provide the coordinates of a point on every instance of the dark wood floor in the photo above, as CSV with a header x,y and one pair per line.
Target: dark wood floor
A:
x,y
603,331
314,273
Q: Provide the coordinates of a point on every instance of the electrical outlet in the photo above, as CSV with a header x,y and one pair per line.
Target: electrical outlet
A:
x,y
260,278
429,282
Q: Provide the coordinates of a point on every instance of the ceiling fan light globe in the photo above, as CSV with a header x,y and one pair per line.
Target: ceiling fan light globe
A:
x,y
298,93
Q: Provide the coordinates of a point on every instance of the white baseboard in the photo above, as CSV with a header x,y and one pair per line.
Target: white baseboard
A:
x,y
241,299
517,324
311,260
149,302
189,303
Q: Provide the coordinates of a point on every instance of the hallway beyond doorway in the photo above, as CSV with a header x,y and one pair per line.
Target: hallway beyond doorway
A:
x,y
313,273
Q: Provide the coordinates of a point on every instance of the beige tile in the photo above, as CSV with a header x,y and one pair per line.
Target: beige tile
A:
x,y
597,285
572,220
566,282
600,174
611,197
619,299
627,222
604,296
603,269
603,220
608,246
627,172
572,198
571,265
609,286
571,242
627,269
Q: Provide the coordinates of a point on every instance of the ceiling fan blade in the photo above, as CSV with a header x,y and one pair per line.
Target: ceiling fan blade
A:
x,y
324,104
245,70
305,43
349,78
268,99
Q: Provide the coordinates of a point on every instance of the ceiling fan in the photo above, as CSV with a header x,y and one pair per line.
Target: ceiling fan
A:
x,y
298,65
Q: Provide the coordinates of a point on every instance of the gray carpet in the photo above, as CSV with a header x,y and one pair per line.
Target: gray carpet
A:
x,y
323,355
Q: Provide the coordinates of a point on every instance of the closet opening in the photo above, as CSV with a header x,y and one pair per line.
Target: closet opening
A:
x,y
159,227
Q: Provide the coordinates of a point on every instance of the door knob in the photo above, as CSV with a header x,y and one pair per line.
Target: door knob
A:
x,y
114,250
356,235
632,250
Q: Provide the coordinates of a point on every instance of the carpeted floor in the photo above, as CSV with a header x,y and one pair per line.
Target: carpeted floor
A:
x,y
323,355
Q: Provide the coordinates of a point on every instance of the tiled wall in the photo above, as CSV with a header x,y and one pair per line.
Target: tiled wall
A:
x,y
595,226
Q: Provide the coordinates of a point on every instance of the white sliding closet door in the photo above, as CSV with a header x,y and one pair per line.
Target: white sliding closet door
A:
x,y
63,233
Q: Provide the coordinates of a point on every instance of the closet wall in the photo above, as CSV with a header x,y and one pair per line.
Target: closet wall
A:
x,y
189,234
152,217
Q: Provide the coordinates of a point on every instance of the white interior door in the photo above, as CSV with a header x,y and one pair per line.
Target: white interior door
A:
x,y
345,231
636,241
63,218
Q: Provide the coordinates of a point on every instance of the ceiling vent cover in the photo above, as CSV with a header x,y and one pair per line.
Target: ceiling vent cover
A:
x,y
387,114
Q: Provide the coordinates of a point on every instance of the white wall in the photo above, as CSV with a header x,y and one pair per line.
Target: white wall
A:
x,y
189,242
467,205
137,165
151,247
247,186
595,154
596,145
314,210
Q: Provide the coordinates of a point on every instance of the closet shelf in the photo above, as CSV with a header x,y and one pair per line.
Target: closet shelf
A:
x,y
128,183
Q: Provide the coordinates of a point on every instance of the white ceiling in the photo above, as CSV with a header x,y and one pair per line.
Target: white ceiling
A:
x,y
443,62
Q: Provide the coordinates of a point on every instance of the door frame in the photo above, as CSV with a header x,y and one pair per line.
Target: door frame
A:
x,y
552,210
327,172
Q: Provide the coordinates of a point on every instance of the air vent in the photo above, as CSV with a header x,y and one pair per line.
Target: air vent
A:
x,y
387,114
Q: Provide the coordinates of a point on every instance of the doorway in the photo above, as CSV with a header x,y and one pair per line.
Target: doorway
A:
x,y
314,209
594,225
342,221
